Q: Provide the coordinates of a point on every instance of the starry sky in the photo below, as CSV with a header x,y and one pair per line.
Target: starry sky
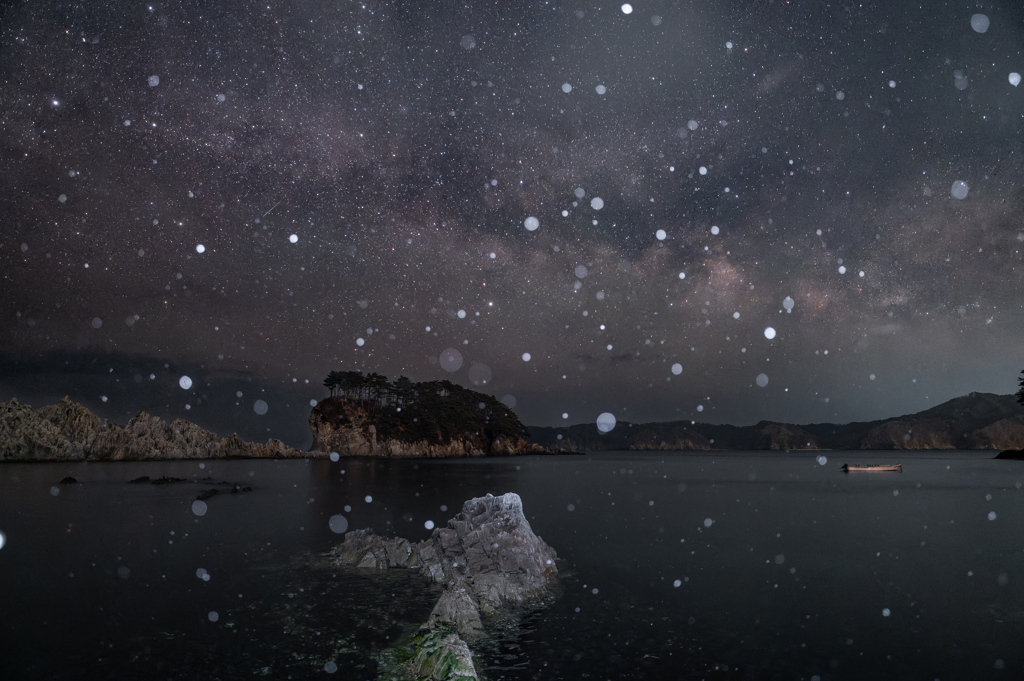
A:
x,y
721,211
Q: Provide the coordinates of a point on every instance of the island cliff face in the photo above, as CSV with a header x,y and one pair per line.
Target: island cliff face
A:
x,y
67,431
975,421
345,427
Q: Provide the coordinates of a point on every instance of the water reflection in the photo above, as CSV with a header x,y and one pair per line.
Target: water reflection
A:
x,y
672,566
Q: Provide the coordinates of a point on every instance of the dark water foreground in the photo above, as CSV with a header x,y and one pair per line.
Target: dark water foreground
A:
x,y
786,568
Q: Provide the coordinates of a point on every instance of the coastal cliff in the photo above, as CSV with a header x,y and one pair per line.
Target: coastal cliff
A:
x,y
67,431
346,427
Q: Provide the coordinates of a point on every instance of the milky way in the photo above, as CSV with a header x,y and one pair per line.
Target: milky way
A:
x,y
255,194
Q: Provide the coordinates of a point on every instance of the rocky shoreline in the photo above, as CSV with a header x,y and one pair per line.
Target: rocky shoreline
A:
x,y
488,559
67,431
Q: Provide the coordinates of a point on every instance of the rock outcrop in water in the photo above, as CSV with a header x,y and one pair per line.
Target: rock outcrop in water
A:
x,y
345,426
488,558
975,421
67,431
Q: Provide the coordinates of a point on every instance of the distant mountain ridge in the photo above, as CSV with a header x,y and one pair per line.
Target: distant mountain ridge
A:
x,y
974,421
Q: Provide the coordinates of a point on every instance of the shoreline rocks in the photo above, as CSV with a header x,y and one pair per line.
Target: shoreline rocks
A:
x,y
67,431
488,559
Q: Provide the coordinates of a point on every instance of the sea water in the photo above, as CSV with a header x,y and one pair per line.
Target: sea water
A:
x,y
673,565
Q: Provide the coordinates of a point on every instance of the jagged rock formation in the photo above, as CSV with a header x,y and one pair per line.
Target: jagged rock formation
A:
x,y
975,421
345,427
67,431
488,557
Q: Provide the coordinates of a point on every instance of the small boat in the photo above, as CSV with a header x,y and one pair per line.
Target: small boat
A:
x,y
874,467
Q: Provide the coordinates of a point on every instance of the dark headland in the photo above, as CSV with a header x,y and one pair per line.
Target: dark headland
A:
x,y
438,419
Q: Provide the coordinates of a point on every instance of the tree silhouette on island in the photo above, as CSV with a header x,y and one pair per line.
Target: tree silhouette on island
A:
x,y
431,411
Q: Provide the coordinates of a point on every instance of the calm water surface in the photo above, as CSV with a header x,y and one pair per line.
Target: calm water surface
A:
x,y
786,569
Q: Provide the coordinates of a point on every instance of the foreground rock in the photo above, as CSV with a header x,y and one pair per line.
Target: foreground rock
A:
x,y
67,431
344,427
488,559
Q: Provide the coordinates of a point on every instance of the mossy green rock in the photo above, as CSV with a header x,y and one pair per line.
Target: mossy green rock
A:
x,y
441,656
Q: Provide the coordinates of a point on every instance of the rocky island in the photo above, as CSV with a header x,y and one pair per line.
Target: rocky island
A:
x,y
370,416
488,560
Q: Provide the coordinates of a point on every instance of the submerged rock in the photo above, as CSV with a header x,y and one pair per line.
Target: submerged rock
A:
x,y
487,558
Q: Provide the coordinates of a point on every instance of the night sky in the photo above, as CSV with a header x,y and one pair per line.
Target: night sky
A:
x,y
252,194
